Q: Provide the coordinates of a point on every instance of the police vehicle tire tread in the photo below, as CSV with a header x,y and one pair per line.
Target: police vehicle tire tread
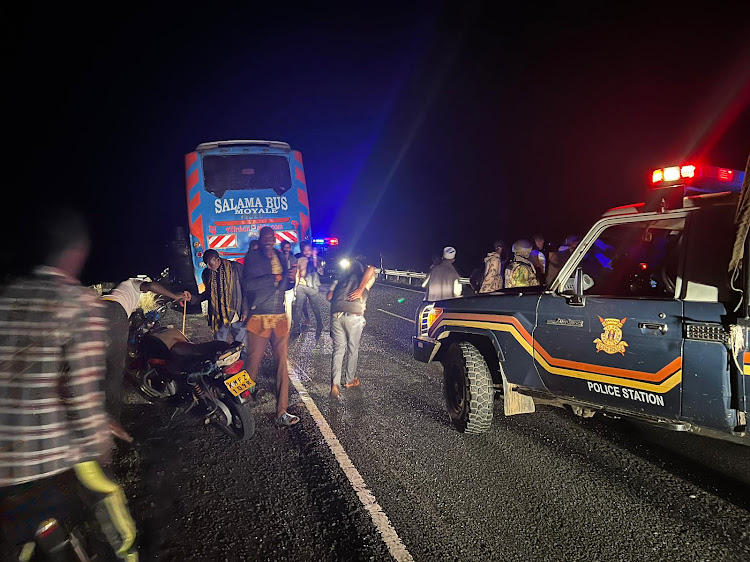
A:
x,y
475,414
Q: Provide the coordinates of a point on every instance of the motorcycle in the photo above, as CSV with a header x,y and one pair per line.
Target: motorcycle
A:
x,y
141,323
204,379
49,541
55,543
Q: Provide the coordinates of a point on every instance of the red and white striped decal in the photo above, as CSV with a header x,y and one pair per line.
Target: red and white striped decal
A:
x,y
222,241
286,236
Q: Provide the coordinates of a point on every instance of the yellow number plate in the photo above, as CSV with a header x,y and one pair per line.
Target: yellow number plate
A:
x,y
239,383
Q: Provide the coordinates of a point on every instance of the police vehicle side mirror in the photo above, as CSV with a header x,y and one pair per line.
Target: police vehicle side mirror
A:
x,y
578,287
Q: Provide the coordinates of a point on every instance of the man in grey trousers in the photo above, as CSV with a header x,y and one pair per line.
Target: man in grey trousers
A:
x,y
348,296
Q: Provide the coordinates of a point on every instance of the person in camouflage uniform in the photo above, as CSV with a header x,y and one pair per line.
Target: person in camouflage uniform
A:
x,y
520,272
493,269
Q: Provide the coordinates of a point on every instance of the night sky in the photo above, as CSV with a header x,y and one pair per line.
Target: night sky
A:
x,y
421,124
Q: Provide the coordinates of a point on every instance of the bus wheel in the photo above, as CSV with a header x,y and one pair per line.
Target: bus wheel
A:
x,y
467,388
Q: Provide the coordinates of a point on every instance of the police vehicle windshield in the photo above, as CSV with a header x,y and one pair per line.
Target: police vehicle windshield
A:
x,y
635,260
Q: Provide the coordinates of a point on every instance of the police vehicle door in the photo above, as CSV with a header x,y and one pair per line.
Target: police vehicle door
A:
x,y
622,346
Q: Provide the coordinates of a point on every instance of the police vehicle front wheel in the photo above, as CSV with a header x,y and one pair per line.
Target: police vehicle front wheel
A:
x,y
467,388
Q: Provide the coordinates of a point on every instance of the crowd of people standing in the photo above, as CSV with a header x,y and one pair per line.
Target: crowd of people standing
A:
x,y
62,361
529,264
63,349
264,300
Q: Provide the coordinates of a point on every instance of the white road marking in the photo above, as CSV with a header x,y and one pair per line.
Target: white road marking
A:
x,y
396,315
379,518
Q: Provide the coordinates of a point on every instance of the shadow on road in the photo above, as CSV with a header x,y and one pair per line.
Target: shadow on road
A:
x,y
715,466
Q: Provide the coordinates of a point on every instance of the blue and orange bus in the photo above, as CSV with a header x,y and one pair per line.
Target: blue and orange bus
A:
x,y
234,188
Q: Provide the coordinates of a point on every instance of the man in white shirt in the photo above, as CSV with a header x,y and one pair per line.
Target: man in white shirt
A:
x,y
291,264
443,282
119,305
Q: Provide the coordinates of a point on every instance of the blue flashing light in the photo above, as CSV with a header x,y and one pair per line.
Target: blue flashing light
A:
x,y
326,241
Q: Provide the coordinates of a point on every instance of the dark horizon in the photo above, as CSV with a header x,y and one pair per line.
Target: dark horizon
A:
x,y
420,125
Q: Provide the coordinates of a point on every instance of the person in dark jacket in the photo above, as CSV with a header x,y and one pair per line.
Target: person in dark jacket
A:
x,y
265,280
227,310
348,296
539,257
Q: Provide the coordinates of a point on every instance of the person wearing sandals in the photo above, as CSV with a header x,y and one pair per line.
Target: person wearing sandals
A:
x,y
265,280
348,297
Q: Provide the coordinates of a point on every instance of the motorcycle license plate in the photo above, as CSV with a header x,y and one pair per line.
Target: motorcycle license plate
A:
x,y
239,383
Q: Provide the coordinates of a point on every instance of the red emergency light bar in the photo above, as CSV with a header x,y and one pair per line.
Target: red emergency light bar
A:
x,y
697,178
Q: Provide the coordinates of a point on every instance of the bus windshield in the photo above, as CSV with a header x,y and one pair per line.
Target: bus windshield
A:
x,y
239,172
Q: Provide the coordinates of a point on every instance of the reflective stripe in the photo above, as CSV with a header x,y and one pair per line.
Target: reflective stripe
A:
x,y
662,381
91,475
27,552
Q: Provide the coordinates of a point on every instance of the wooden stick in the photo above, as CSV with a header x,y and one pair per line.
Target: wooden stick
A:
x,y
184,317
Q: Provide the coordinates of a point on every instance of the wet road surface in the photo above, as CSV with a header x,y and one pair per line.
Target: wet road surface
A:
x,y
546,486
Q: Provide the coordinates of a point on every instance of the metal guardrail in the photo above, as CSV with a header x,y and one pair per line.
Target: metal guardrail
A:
x,y
407,277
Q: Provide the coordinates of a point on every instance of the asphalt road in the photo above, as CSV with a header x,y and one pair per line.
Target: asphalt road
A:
x,y
546,486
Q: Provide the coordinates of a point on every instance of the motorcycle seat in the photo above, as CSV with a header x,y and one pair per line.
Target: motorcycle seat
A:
x,y
186,356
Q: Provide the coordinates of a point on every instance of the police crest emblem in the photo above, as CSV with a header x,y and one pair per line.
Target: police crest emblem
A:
x,y
611,339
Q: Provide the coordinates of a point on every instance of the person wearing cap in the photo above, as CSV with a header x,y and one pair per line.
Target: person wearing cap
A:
x,y
520,272
443,281
557,259
493,269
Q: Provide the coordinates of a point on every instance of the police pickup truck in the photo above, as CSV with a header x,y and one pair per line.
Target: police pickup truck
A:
x,y
644,320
